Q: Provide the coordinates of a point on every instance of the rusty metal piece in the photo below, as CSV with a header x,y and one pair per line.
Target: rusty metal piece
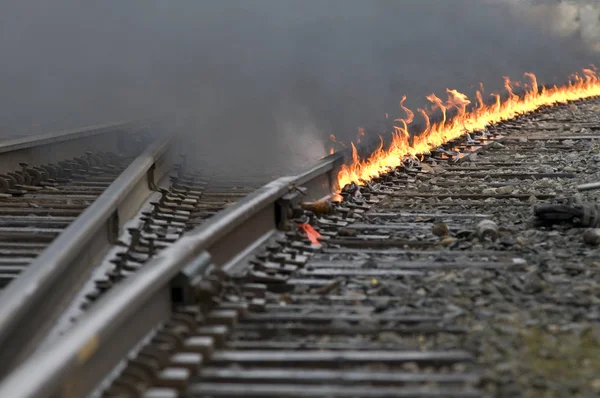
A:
x,y
320,207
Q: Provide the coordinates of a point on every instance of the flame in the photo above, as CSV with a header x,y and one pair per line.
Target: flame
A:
x,y
361,133
333,139
580,86
311,233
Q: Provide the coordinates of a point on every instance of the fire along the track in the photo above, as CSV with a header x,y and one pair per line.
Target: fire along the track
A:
x,y
580,86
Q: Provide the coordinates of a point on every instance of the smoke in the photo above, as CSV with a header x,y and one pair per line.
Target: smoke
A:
x,y
566,18
255,85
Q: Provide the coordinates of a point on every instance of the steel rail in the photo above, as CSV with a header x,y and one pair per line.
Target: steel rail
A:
x,y
53,147
31,305
80,359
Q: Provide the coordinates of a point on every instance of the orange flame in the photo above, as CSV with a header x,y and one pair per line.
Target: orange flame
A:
x,y
333,139
311,233
581,86
361,133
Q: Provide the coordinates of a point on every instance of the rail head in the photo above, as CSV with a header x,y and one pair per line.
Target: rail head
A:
x,y
16,144
80,357
64,145
56,274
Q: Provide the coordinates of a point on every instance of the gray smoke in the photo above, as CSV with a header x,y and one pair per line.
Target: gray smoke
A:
x,y
260,84
578,19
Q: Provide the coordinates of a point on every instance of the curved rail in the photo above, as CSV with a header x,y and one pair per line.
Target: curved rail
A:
x,y
30,305
79,360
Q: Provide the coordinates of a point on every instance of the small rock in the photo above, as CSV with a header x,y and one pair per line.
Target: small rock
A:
x,y
391,338
505,190
522,241
347,232
464,234
285,299
533,284
489,191
507,241
448,240
592,237
411,367
504,367
440,229
427,168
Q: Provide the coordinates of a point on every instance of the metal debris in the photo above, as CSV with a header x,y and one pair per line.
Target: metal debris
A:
x,y
319,207
487,229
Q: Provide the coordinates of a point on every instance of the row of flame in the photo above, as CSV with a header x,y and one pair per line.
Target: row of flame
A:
x,y
580,86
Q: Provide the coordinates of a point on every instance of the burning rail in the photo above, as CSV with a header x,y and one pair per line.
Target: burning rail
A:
x,y
466,121
413,267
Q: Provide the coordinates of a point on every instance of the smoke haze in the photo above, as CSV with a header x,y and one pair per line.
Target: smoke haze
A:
x,y
260,84
568,18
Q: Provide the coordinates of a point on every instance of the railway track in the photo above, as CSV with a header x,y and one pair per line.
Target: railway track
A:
x,y
432,280
63,199
190,199
89,216
34,210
